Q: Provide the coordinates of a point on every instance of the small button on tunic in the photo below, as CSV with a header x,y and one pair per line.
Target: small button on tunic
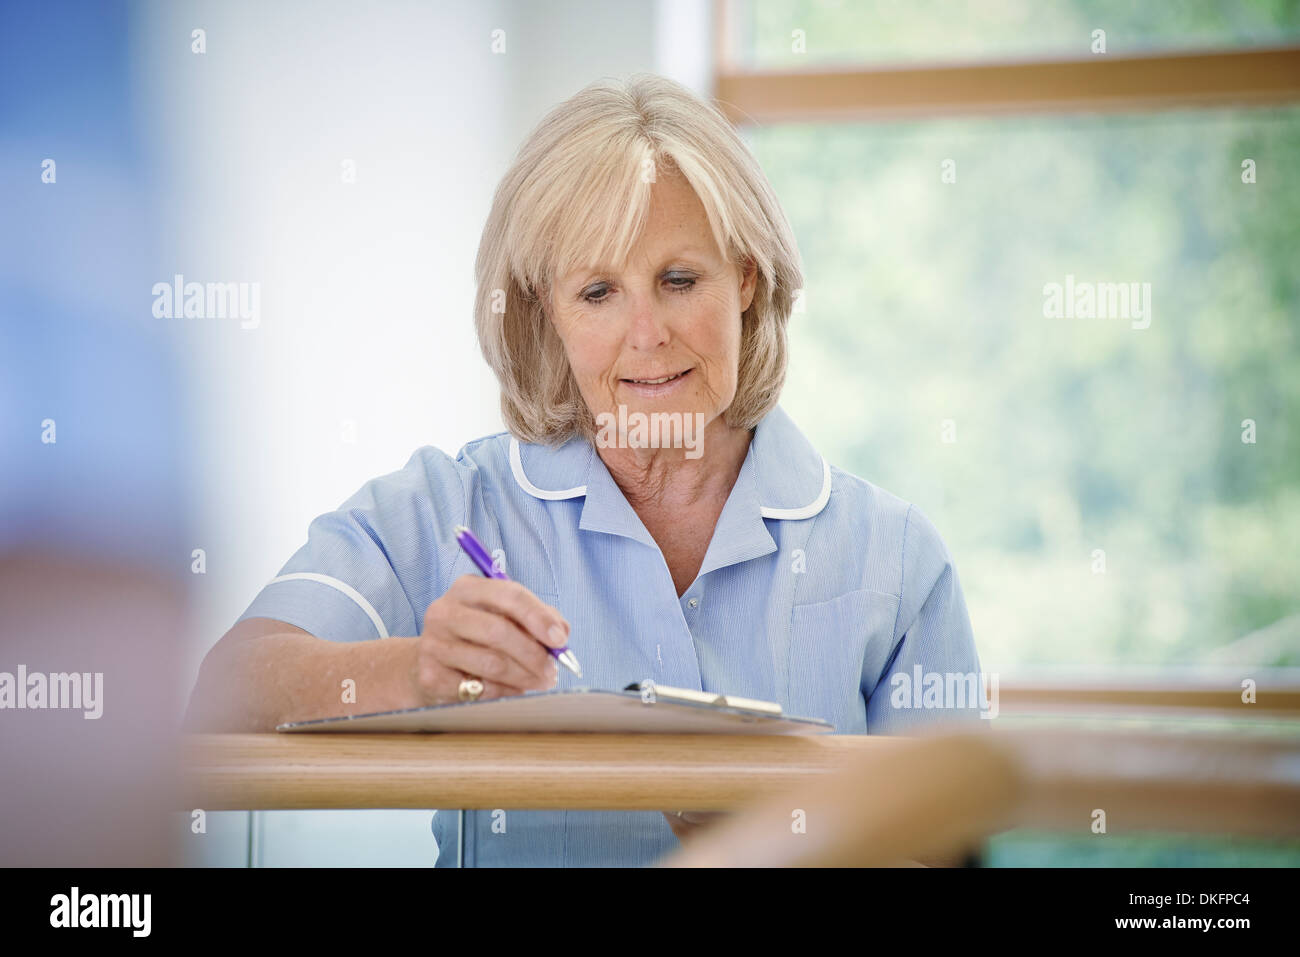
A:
x,y
818,590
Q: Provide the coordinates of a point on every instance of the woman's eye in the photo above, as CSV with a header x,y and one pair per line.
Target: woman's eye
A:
x,y
675,284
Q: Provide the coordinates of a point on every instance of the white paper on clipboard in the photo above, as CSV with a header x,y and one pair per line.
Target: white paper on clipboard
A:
x,y
577,710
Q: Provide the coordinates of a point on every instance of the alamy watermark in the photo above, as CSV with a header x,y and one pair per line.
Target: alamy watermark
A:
x,y
945,690
651,430
75,909
59,690
179,299
1098,300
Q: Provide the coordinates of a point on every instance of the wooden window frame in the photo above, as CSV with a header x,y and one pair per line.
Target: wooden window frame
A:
x,y
1101,83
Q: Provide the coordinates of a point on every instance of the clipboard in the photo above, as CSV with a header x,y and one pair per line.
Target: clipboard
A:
x,y
642,708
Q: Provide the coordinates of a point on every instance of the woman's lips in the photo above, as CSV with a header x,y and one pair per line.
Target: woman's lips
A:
x,y
657,389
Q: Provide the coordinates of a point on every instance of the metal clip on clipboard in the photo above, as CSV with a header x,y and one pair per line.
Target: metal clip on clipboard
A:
x,y
650,692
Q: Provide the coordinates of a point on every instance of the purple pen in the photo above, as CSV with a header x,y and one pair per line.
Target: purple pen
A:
x,y
480,557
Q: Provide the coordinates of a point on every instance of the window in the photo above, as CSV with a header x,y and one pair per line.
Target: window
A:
x,y
1119,482
762,35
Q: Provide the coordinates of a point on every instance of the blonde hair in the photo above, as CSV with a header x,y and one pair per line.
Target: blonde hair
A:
x,y
578,193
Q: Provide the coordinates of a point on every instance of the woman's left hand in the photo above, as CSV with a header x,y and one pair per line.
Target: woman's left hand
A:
x,y
688,823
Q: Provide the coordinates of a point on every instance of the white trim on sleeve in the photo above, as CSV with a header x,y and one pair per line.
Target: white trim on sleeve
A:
x,y
344,587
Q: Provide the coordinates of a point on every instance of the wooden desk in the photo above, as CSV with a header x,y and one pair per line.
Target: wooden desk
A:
x,y
526,771
1045,777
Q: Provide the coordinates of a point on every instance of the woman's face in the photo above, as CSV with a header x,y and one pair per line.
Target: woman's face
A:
x,y
673,310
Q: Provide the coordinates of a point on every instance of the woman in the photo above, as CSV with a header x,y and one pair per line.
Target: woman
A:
x,y
635,265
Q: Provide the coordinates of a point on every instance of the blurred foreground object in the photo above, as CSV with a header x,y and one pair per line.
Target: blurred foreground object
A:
x,y
79,791
938,795
95,555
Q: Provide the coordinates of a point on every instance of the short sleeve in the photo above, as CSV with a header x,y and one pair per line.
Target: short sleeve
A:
x,y
368,564
933,674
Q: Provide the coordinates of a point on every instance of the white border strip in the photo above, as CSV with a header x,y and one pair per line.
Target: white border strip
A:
x,y
344,587
808,511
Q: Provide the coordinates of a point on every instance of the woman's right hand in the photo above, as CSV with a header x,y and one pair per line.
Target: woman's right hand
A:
x,y
494,630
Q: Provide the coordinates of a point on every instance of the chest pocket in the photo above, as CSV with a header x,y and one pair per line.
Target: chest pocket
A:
x,y
830,643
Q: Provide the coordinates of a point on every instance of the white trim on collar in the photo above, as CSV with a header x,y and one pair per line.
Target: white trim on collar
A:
x,y
517,466
809,510
806,511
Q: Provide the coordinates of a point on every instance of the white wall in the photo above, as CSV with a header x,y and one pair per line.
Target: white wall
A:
x,y
366,288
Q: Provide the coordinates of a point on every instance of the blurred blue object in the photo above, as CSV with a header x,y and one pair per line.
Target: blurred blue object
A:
x,y
82,360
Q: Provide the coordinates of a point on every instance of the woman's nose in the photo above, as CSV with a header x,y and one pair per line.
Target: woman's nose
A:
x,y
649,326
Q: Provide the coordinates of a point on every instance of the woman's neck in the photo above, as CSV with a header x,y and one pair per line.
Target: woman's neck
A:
x,y
667,478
